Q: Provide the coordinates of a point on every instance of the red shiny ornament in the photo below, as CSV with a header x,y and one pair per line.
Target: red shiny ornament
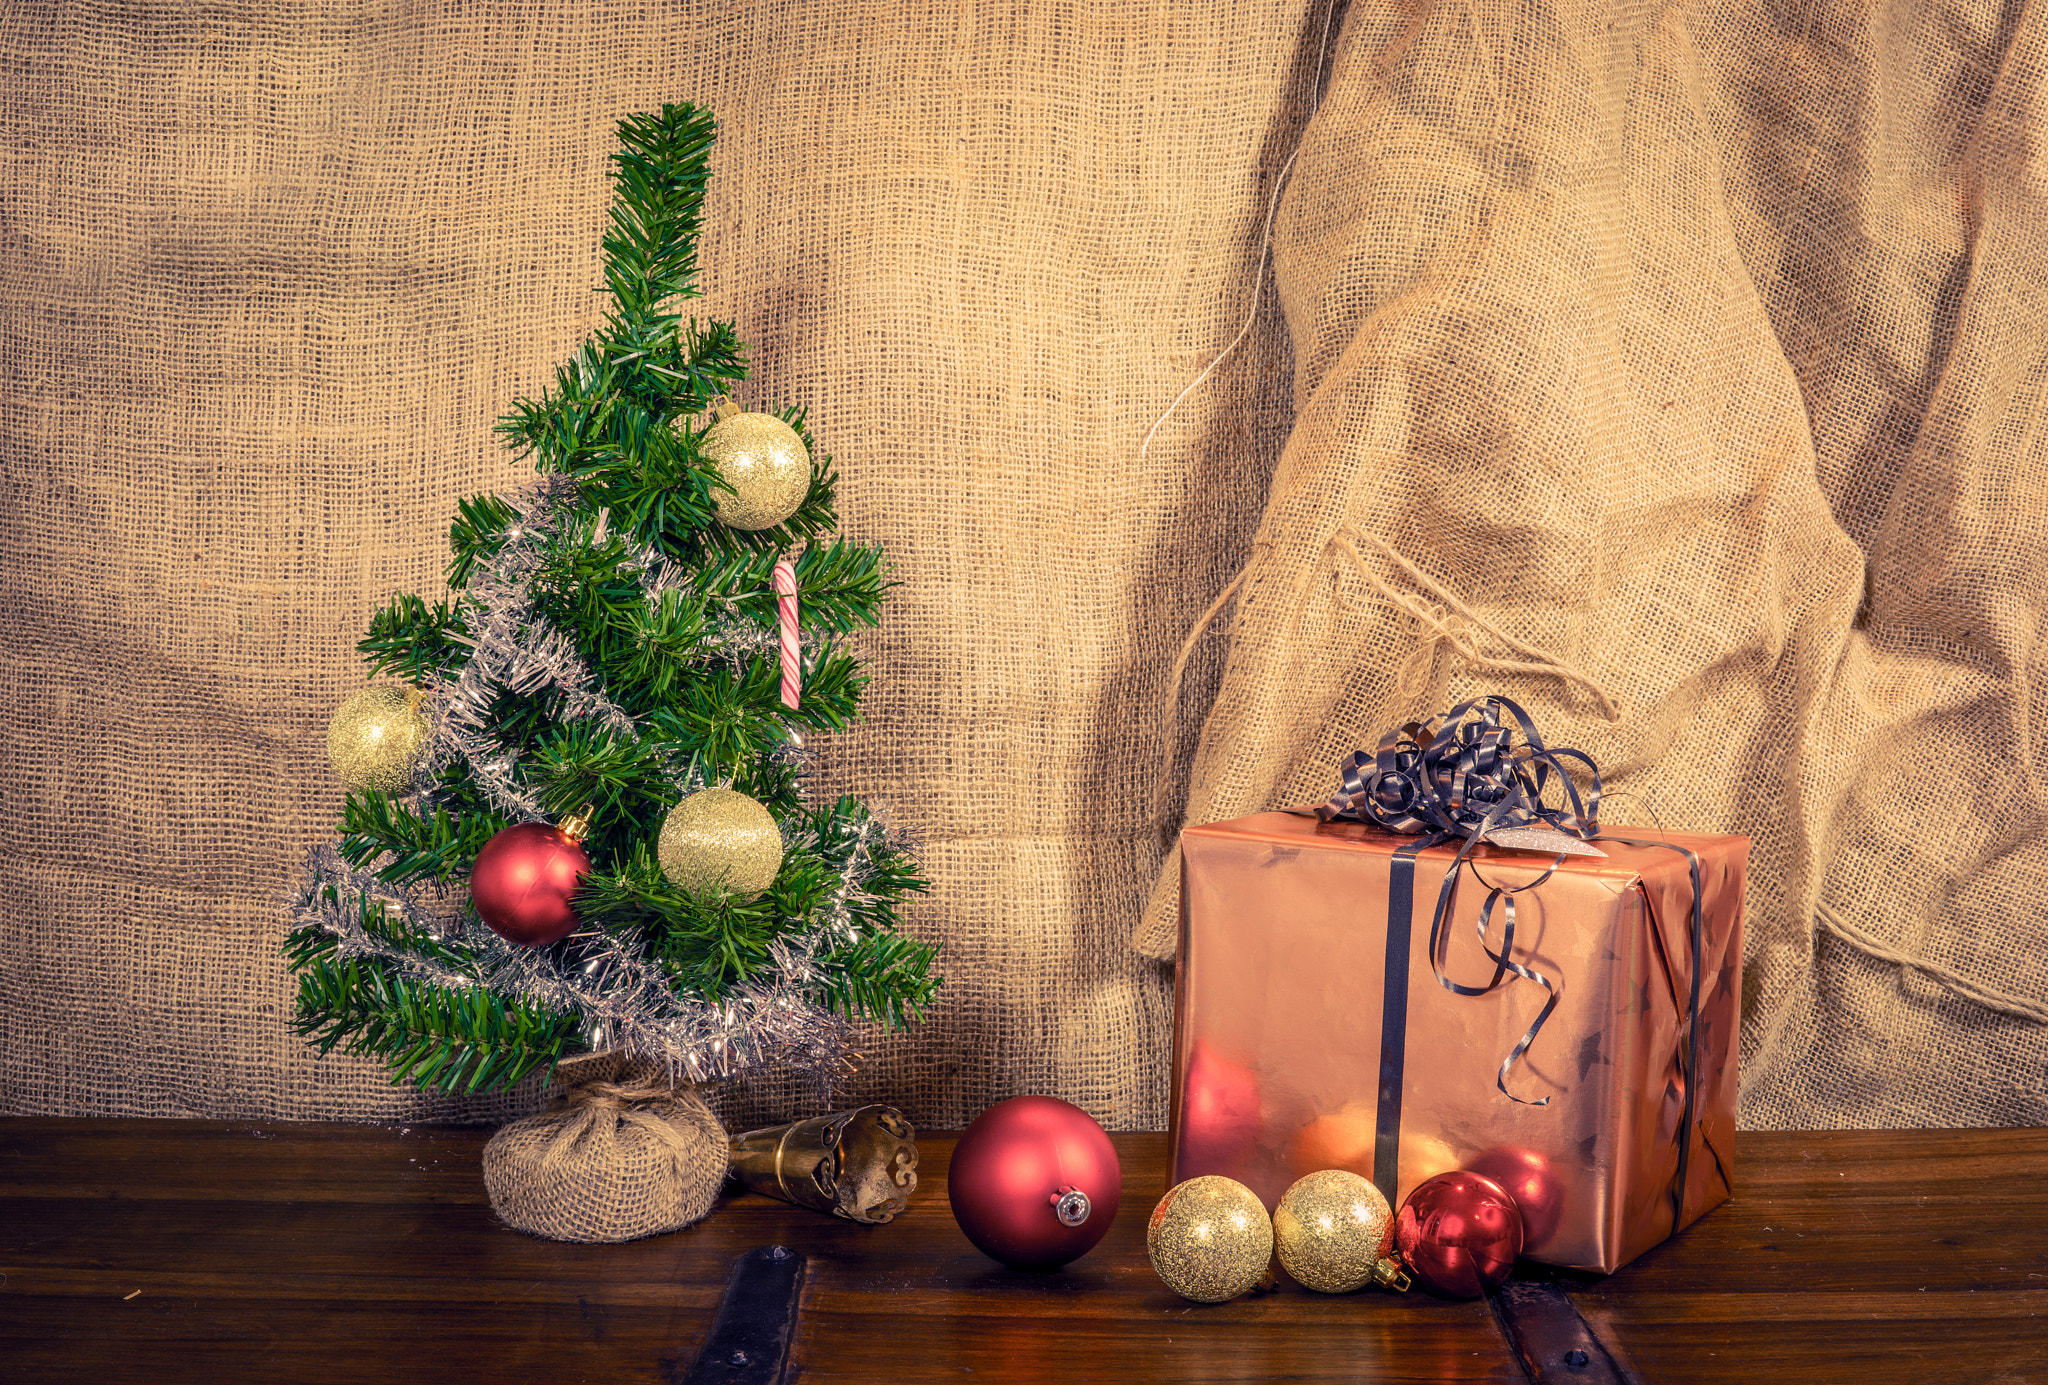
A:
x,y
522,881
1219,1116
1034,1182
1459,1234
1529,1181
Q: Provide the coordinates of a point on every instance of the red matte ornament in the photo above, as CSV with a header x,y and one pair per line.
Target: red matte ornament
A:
x,y
522,881
1034,1182
1459,1234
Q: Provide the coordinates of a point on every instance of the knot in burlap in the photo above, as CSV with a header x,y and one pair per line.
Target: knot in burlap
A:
x,y
620,1153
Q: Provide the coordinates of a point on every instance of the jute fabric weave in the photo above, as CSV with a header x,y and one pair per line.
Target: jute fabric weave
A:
x,y
273,269
1676,370
620,1153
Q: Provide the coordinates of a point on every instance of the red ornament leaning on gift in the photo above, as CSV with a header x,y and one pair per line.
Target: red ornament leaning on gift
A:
x,y
1459,1234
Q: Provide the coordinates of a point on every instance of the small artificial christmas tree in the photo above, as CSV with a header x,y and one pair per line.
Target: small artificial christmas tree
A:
x,y
604,735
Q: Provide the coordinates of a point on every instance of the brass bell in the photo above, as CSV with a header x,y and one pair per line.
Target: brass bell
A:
x,y
859,1164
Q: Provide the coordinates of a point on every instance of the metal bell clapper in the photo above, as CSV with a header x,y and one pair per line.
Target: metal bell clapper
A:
x,y
859,1164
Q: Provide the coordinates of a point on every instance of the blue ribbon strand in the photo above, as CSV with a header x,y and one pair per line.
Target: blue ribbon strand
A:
x,y
1462,775
1466,777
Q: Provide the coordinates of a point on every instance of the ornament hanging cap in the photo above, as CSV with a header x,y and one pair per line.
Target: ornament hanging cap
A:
x,y
576,826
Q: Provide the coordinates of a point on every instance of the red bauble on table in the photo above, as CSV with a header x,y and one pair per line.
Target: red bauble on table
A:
x,y
1034,1182
522,881
1459,1234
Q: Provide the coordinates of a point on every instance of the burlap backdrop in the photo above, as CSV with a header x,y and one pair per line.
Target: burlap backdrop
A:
x,y
272,270
1630,340
1679,370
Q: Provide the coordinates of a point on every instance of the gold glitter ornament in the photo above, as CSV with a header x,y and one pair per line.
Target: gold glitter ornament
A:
x,y
720,838
375,737
1334,1232
765,462
1209,1238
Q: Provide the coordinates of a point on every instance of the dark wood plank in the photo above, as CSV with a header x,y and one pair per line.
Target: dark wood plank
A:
x,y
365,1254
1878,1257
227,1252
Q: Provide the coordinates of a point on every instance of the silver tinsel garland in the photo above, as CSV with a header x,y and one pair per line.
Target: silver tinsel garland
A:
x,y
624,1001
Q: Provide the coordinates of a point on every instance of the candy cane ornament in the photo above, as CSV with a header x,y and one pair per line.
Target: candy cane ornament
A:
x,y
785,607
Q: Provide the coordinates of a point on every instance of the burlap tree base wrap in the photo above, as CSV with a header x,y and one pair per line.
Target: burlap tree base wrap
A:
x,y
618,1154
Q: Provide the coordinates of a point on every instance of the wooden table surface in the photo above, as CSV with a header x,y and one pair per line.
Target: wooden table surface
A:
x,y
229,1252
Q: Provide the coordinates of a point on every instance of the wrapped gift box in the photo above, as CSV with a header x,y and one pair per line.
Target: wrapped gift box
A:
x,y
1292,1052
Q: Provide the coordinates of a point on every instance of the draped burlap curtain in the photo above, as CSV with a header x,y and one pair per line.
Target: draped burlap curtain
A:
x,y
1679,370
1674,369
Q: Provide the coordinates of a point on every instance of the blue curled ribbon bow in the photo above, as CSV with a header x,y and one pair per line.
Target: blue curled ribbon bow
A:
x,y
1464,779
1461,775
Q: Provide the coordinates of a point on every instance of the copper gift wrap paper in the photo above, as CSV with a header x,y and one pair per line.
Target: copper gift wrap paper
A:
x,y
1280,996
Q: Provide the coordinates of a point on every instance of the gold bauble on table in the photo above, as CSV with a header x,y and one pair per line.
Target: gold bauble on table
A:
x,y
720,838
1209,1238
1334,1231
375,738
765,462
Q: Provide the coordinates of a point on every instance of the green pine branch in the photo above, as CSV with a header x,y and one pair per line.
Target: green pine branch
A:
x,y
881,975
706,943
481,522
411,639
709,359
659,173
624,780
585,587
662,496
440,845
660,641
624,419
886,977
614,407
841,585
833,682
892,872
466,1038
724,719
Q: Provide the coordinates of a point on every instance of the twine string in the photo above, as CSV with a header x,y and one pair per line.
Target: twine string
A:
x,y
1164,740
1451,621
1315,93
1996,1001
585,1107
